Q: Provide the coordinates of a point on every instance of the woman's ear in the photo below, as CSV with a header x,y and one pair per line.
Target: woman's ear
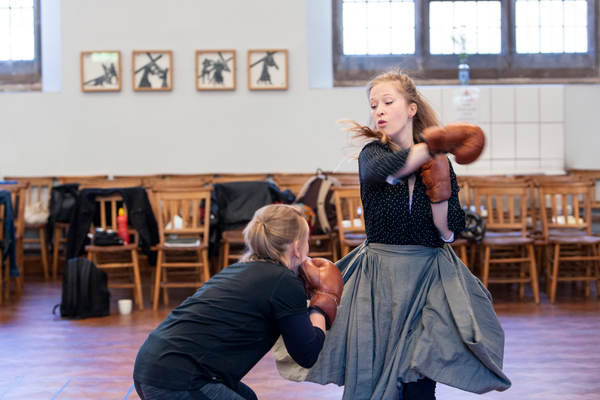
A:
x,y
296,249
413,109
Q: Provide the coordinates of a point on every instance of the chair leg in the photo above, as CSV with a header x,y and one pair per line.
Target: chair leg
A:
x,y
55,250
588,272
206,265
522,275
334,249
554,273
164,279
157,275
486,266
137,280
225,254
6,282
533,275
463,256
44,253
20,259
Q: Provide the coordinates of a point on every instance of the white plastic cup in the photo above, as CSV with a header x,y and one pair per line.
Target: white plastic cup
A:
x,y
125,306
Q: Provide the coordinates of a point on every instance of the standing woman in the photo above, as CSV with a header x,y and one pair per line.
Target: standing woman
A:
x,y
210,342
411,313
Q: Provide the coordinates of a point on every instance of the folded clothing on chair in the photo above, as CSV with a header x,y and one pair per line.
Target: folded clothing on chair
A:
x,y
106,238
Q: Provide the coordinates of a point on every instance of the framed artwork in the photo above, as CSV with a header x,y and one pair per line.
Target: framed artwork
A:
x,y
152,70
215,69
267,69
100,71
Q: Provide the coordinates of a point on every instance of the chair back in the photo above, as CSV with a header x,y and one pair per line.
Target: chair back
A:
x,y
109,210
183,213
350,215
110,184
38,189
17,197
502,204
594,175
80,179
565,207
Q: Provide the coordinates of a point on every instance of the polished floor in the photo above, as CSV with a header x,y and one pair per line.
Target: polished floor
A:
x,y
552,351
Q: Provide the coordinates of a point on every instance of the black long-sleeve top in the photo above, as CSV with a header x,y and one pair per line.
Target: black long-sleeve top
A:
x,y
222,331
389,216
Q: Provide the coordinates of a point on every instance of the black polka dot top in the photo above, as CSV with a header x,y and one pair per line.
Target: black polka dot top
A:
x,y
388,218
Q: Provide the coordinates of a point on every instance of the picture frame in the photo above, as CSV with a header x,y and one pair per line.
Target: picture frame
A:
x,y
215,69
152,70
101,71
267,69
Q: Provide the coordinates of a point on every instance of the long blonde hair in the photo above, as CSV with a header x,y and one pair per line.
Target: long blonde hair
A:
x,y
423,118
272,231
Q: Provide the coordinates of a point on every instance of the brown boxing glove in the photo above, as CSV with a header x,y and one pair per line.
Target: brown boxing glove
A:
x,y
471,146
463,139
436,177
324,285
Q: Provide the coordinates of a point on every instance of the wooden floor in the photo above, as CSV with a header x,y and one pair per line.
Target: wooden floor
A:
x,y
552,351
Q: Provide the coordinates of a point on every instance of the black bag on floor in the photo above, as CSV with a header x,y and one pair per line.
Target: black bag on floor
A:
x,y
85,291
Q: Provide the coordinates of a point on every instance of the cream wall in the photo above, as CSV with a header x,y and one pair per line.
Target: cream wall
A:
x,y
186,131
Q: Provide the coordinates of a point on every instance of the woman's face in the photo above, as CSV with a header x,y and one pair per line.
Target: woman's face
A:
x,y
392,114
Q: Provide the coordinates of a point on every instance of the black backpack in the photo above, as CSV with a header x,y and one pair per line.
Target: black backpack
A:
x,y
316,193
85,291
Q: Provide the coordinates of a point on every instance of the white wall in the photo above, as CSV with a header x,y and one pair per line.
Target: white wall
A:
x,y
186,131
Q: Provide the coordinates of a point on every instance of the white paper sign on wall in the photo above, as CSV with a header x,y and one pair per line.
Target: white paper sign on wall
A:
x,y
466,104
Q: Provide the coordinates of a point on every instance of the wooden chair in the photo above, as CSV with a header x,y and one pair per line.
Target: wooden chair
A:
x,y
146,180
460,245
345,178
233,245
196,179
60,238
17,194
79,179
567,228
224,178
116,257
37,192
594,175
185,204
111,184
350,218
506,241
293,182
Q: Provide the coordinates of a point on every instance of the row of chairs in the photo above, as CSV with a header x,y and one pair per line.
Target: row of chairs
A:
x,y
511,205
536,226
165,206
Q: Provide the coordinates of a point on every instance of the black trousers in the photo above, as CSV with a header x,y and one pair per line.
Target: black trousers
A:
x,y
423,389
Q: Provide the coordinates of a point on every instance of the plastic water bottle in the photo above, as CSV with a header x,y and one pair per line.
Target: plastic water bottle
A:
x,y
122,228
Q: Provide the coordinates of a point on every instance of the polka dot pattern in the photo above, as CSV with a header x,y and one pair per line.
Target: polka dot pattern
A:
x,y
388,219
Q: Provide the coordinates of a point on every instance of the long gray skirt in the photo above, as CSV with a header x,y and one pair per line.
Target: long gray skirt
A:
x,y
407,312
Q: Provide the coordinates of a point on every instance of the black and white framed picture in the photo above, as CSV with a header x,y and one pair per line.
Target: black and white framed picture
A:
x,y
152,70
267,69
100,71
215,69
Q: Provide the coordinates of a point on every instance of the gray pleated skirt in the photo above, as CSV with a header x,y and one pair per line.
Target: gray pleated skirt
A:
x,y
407,312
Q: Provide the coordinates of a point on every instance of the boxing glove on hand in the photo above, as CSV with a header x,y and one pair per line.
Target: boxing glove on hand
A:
x,y
324,285
463,139
436,177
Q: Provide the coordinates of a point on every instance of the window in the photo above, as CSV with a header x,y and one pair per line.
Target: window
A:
x,y
501,40
20,64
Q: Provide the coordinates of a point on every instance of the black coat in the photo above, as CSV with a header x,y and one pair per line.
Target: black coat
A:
x,y
140,217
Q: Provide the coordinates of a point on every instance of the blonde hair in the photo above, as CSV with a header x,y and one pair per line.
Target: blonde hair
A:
x,y
272,231
423,118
